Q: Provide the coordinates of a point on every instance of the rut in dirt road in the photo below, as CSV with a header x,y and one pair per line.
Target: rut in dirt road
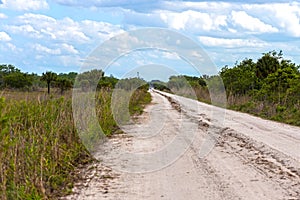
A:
x,y
158,157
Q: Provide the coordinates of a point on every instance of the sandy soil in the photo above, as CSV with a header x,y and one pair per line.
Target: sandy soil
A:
x,y
183,149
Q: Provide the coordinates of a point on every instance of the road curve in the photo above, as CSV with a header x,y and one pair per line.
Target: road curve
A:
x,y
183,149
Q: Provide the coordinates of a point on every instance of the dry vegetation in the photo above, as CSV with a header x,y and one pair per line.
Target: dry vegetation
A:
x,y
39,144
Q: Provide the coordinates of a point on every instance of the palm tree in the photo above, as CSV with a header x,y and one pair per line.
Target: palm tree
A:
x,y
49,77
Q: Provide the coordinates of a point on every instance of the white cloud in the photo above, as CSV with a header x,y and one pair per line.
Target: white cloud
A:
x,y
2,15
132,4
43,27
4,37
42,49
59,49
69,48
24,29
210,7
231,43
253,24
13,48
24,4
169,55
287,17
194,20
65,30
100,30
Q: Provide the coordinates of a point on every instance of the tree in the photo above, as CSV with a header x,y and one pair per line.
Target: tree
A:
x,y
6,70
64,84
49,77
268,63
18,80
92,77
240,79
70,76
278,85
107,82
130,84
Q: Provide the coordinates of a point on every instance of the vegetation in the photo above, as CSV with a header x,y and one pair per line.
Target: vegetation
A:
x,y
39,147
39,144
268,87
49,77
63,84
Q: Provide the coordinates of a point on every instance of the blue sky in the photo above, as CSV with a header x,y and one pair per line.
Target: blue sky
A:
x,y
58,35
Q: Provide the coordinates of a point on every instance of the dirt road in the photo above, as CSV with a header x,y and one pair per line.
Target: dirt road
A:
x,y
183,149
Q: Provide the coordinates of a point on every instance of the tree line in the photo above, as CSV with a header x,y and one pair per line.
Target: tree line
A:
x,y
268,87
13,78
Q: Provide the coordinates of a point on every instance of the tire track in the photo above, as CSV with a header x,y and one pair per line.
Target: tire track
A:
x,y
274,165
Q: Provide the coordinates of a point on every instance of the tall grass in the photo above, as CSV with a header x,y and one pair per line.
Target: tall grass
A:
x,y
40,146
245,103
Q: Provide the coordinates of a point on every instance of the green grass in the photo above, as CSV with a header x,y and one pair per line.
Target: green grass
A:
x,y
40,146
289,114
272,111
138,101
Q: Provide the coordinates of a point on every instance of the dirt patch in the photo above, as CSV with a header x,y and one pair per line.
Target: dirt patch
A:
x,y
273,164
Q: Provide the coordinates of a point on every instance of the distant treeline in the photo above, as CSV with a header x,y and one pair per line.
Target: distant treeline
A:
x,y
13,78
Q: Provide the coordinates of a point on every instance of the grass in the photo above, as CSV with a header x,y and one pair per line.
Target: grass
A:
x,y
39,144
269,110
244,103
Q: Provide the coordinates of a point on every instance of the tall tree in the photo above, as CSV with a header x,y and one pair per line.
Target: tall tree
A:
x,y
49,77
268,64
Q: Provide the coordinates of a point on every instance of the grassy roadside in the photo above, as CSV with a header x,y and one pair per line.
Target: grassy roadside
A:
x,y
39,144
267,110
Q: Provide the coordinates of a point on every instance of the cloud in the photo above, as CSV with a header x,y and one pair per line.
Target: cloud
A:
x,y
42,49
287,17
139,5
69,48
223,17
64,30
142,19
24,5
99,30
231,43
253,24
4,37
24,29
59,49
207,6
3,16
194,21
43,27
169,55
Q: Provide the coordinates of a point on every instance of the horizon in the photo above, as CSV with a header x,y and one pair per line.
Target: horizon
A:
x,y
59,35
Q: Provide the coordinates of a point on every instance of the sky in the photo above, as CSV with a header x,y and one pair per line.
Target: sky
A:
x,y
59,35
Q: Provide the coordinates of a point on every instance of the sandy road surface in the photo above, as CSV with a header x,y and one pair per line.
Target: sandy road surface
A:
x,y
164,156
